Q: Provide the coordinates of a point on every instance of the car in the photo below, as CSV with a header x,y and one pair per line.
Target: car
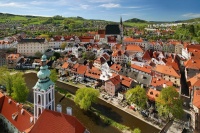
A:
x,y
144,113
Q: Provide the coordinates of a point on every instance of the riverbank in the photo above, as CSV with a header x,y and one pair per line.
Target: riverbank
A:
x,y
105,107
127,110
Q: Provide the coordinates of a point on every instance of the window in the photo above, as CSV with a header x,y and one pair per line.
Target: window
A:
x,y
39,111
39,99
49,96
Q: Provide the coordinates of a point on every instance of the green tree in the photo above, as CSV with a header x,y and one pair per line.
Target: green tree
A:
x,y
38,54
137,96
53,75
136,130
57,55
169,103
63,45
20,90
85,97
6,79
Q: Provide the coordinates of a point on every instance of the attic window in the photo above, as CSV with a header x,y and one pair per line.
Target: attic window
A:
x,y
31,119
9,100
151,92
156,95
14,115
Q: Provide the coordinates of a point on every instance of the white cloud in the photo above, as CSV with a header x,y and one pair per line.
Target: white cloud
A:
x,y
132,7
12,4
191,15
110,5
84,6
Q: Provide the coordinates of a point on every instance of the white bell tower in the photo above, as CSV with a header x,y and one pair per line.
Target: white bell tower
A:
x,y
43,91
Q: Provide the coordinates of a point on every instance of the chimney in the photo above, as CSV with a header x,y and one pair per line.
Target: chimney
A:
x,y
69,110
164,85
31,119
59,108
9,100
22,110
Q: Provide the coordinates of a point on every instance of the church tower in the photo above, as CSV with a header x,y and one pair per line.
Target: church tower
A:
x,y
121,29
43,91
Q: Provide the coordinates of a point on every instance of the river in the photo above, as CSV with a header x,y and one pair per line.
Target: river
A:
x,y
91,122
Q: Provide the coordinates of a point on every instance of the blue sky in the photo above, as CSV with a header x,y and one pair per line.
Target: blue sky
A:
x,y
157,10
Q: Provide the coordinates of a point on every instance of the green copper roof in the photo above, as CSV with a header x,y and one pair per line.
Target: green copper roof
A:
x,y
44,81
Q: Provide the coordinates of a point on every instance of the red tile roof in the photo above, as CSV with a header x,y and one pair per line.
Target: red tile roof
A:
x,y
81,69
192,64
168,70
116,67
152,94
93,73
146,56
196,98
115,80
159,82
55,122
146,69
118,53
134,48
65,65
9,109
126,81
194,81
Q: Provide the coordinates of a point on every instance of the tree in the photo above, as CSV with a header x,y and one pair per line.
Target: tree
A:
x,y
169,103
57,55
53,75
63,45
6,79
137,96
20,90
136,130
38,54
85,97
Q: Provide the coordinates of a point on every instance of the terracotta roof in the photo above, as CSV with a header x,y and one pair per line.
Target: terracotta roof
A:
x,y
76,66
160,81
106,56
81,69
196,98
13,56
128,39
168,70
116,67
115,80
146,56
55,122
194,81
192,64
126,81
111,39
100,60
134,48
93,73
12,112
170,61
152,94
65,65
146,69
118,53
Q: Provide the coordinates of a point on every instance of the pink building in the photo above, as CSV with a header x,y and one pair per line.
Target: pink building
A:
x,y
112,85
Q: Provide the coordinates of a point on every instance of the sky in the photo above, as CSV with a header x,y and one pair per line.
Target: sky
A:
x,y
150,10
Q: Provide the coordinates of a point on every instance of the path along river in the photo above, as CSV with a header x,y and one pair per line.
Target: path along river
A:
x,y
93,123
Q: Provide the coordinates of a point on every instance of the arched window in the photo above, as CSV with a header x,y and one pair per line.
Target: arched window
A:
x,y
49,97
39,111
39,99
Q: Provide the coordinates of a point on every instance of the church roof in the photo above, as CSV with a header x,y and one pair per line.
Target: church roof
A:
x,y
112,29
55,122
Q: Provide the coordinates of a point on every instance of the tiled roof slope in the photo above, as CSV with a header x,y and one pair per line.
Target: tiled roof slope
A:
x,y
8,109
55,122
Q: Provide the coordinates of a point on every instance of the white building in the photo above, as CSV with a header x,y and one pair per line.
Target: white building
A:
x,y
29,47
44,93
